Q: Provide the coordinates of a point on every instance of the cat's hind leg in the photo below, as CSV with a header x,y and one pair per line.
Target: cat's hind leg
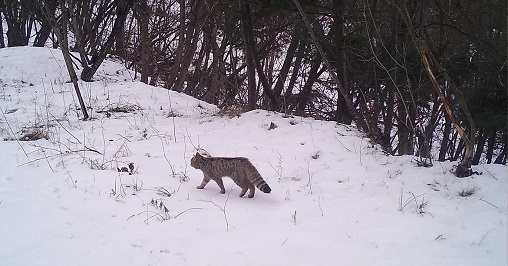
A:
x,y
252,189
244,190
220,184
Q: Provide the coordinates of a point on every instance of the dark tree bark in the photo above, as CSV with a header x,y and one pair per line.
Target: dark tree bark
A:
x,y
385,138
426,138
190,45
2,42
459,151
428,58
44,32
143,15
91,66
217,70
250,47
61,32
354,113
176,66
480,143
501,159
119,47
288,60
304,96
404,129
445,142
490,146
342,114
294,74
19,21
249,58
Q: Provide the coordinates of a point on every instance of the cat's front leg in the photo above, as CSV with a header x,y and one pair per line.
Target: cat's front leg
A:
x,y
205,181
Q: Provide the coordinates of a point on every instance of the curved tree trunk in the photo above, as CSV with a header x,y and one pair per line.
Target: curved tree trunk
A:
x,y
464,167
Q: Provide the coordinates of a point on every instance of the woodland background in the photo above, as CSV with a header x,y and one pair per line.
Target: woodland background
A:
x,y
424,78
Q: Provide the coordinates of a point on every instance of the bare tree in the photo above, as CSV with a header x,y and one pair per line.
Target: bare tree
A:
x,y
463,169
19,19
357,117
60,26
89,25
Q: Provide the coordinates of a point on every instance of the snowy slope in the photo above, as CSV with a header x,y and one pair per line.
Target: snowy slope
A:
x,y
336,198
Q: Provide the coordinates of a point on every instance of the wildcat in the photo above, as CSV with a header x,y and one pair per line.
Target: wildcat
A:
x,y
240,169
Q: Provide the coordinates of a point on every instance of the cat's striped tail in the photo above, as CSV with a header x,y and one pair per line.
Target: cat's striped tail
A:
x,y
258,181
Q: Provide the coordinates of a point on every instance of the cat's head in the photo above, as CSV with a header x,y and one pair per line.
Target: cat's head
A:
x,y
196,160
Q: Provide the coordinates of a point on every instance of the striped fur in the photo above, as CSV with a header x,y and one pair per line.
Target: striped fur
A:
x,y
240,169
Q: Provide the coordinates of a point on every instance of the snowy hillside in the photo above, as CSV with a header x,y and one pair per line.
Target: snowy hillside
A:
x,y
336,199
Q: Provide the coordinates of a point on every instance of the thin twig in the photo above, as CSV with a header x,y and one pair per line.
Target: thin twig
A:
x,y
38,159
190,209
319,204
485,236
85,148
12,132
173,117
491,204
342,144
223,209
47,159
486,170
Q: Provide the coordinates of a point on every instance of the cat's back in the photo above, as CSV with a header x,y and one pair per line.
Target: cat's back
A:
x,y
226,165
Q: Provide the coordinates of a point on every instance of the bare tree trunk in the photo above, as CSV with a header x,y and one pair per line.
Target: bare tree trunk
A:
x,y
290,55
405,129
45,31
61,32
2,42
249,58
490,145
218,68
428,58
480,143
388,121
18,20
294,74
98,57
190,44
251,47
143,14
501,159
459,150
170,81
426,138
445,142
354,113
304,96
119,46
342,115
274,100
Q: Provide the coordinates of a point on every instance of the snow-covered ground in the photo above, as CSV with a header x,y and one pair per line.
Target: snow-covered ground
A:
x,y
336,198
